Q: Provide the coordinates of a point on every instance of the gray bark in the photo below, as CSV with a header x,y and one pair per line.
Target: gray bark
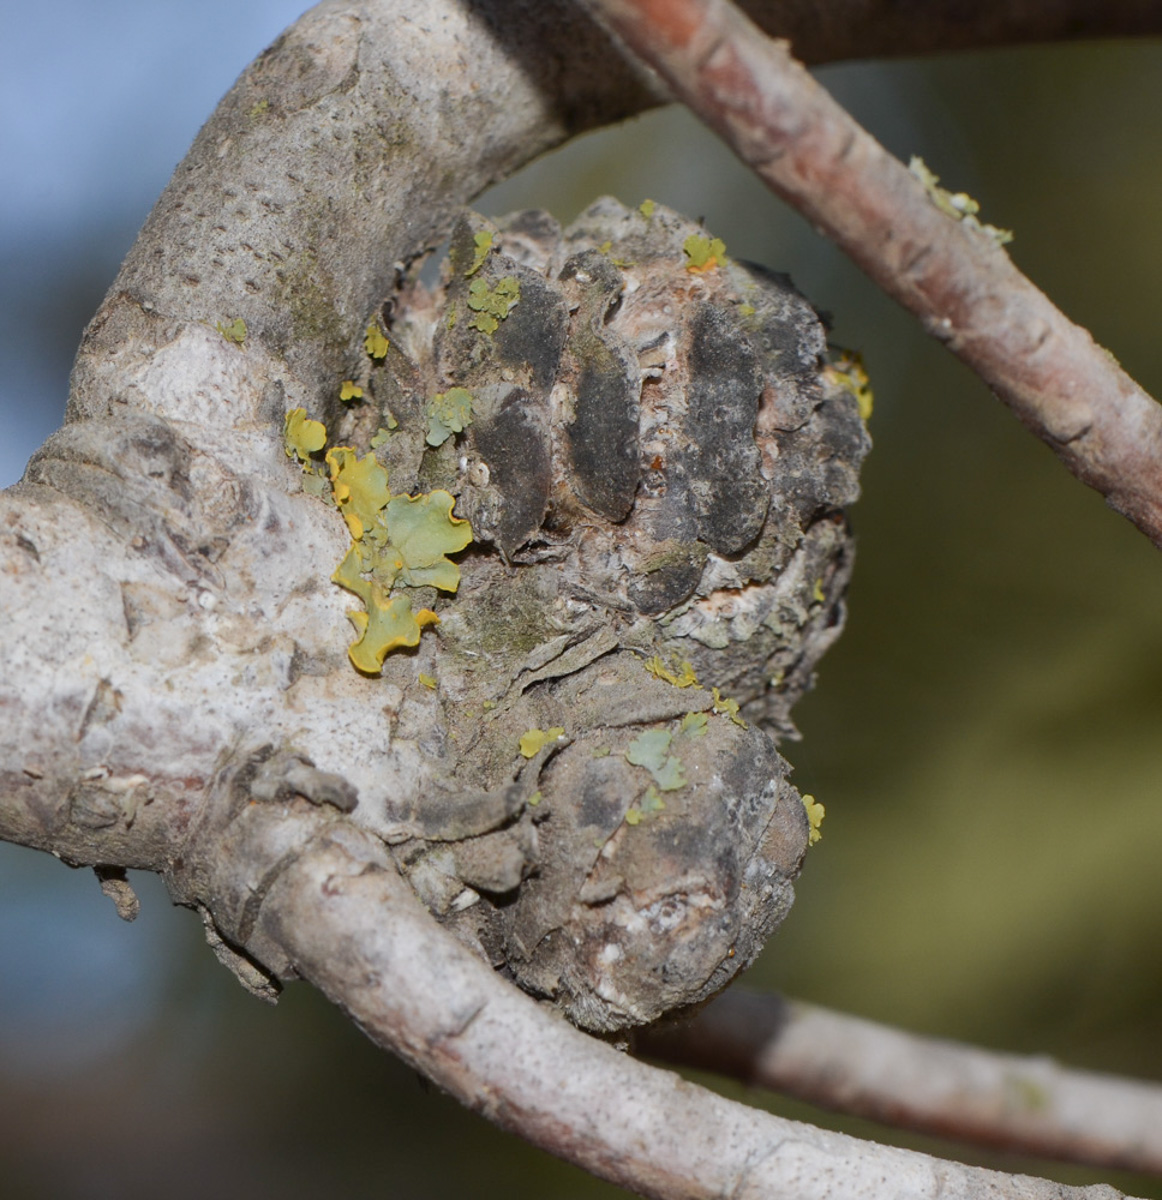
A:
x,y
174,684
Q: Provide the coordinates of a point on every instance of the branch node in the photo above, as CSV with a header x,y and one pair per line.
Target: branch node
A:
x,y
115,884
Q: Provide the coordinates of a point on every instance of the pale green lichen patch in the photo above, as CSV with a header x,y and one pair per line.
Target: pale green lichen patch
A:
x,y
234,331
651,803
646,208
416,536
694,724
302,437
651,750
532,741
448,413
492,305
483,243
703,253
374,341
815,815
958,205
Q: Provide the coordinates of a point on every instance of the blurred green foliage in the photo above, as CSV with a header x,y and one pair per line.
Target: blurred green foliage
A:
x,y
984,735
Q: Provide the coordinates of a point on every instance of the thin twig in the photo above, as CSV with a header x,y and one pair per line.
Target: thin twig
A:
x,y
1029,1105
949,273
351,926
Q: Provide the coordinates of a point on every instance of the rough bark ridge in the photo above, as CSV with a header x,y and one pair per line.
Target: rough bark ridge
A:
x,y
175,693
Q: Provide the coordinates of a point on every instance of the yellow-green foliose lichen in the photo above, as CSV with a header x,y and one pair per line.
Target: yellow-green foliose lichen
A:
x,y
395,541
815,815
846,371
651,750
727,706
492,305
374,341
703,253
958,205
302,437
651,803
533,740
448,413
681,675
234,331
483,242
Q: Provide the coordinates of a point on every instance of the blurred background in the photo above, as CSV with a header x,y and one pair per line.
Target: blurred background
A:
x,y
984,737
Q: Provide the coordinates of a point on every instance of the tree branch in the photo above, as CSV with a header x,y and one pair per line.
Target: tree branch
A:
x,y
348,923
949,273
160,576
1028,1105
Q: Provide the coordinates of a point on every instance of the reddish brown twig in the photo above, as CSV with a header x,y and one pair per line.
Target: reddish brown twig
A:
x,y
948,273
1030,1105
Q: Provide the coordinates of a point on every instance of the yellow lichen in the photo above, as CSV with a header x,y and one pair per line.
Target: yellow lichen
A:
x,y
375,343
651,803
727,706
815,814
359,486
388,624
846,371
420,532
395,540
533,740
234,332
646,208
301,436
428,681
703,253
682,677
349,391
483,241
492,305
958,205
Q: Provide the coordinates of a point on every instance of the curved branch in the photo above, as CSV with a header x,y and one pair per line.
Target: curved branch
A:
x,y
1006,1101
338,157
949,273
348,923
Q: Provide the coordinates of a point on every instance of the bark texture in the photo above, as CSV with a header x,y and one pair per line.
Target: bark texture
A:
x,y
1021,1104
175,692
